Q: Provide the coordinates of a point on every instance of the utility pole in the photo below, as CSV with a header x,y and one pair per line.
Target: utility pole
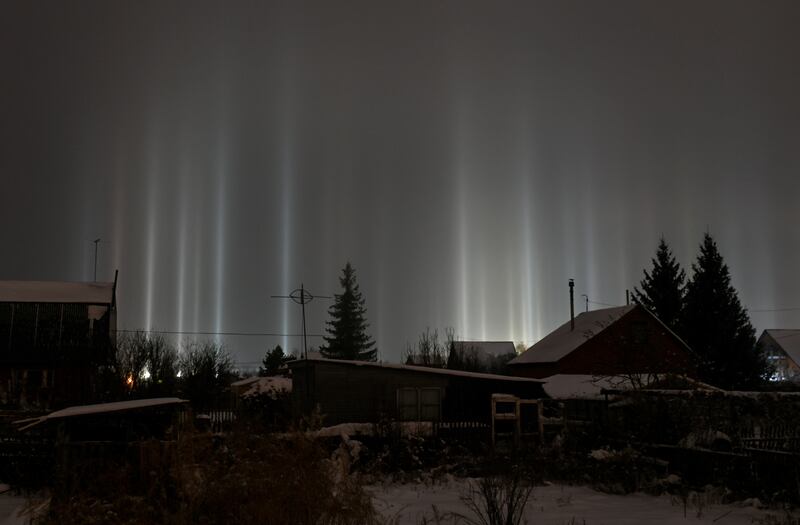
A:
x,y
302,297
586,298
96,242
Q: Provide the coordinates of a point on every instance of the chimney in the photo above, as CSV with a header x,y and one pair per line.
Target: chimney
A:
x,y
571,305
627,297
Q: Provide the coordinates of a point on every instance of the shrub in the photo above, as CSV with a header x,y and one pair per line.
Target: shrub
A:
x,y
497,500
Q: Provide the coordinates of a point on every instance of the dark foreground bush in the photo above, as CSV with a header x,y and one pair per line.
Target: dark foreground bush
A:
x,y
245,479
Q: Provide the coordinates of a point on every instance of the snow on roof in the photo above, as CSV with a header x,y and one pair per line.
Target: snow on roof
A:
x,y
563,341
413,368
786,340
56,292
493,348
246,381
581,386
102,408
272,386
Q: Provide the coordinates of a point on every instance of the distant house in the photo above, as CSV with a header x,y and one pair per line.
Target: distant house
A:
x,y
782,348
358,391
480,355
53,338
609,342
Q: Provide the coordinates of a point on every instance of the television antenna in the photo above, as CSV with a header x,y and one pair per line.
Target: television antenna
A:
x,y
302,297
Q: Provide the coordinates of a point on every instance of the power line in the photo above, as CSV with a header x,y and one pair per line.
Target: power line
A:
x,y
796,309
603,304
245,334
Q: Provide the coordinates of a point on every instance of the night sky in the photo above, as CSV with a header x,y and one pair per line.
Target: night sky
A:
x,y
468,158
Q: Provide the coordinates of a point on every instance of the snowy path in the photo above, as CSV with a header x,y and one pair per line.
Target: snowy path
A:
x,y
559,505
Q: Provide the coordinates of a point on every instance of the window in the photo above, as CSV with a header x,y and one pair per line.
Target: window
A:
x,y
430,404
407,404
419,404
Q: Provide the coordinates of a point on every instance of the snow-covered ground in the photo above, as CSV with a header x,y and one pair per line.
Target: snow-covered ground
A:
x,y
560,505
11,507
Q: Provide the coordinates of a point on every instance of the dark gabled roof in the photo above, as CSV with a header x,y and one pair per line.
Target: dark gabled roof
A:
x,y
56,292
485,348
414,368
786,340
563,340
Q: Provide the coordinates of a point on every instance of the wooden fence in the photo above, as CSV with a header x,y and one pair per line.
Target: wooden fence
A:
x,y
779,437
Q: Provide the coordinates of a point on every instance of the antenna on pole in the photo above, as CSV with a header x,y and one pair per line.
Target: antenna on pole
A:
x,y
96,242
302,297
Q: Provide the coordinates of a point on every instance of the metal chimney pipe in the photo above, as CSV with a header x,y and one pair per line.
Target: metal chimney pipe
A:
x,y
627,297
571,305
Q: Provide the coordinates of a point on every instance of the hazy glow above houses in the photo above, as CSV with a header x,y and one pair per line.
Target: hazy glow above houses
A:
x,y
466,160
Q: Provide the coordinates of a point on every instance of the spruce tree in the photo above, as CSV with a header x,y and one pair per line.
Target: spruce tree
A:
x,y
273,361
716,326
663,288
347,328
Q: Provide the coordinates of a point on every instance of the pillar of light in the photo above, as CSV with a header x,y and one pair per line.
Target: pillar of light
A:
x,y
514,294
460,167
184,172
529,328
287,168
483,297
198,274
152,173
119,206
221,167
588,220
286,238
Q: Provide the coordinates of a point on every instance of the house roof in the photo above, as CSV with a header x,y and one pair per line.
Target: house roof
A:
x,y
493,348
102,408
583,386
787,340
56,292
414,368
563,341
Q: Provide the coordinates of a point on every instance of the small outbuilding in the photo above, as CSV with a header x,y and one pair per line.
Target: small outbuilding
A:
x,y
54,338
359,391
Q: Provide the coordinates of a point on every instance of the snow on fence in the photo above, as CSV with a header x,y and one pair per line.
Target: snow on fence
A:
x,y
460,428
221,420
780,436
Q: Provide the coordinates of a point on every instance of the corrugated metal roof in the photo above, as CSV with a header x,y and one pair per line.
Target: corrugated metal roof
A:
x,y
56,292
788,341
562,341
